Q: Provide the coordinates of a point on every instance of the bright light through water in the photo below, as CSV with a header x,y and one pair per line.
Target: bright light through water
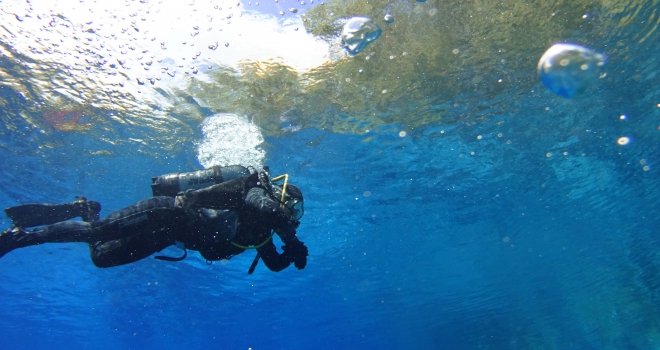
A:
x,y
154,41
138,47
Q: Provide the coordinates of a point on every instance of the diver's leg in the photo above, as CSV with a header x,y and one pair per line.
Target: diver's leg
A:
x,y
126,250
156,214
67,231
153,217
31,215
155,224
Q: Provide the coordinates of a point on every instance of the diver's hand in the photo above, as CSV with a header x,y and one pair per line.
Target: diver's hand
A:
x,y
296,252
288,232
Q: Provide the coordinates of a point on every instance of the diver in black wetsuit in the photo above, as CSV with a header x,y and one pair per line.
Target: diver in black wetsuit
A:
x,y
219,221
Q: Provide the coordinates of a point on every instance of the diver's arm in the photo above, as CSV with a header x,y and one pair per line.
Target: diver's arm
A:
x,y
273,260
226,195
287,233
295,251
269,210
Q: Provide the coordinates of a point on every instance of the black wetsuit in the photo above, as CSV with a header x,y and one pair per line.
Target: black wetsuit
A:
x,y
151,225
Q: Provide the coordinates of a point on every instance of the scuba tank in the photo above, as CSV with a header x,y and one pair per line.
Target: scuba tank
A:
x,y
171,184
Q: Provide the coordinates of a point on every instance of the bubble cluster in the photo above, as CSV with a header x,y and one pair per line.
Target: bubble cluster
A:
x,y
568,69
230,139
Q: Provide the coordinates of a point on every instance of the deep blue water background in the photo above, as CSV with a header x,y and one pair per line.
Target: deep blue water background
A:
x,y
414,241
506,248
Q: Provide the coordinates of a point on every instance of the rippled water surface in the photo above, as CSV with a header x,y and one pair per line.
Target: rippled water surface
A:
x,y
452,200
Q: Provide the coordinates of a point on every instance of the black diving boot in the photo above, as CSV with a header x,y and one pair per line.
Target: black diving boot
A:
x,y
31,215
89,209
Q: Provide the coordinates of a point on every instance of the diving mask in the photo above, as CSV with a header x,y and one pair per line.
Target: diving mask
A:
x,y
291,200
296,208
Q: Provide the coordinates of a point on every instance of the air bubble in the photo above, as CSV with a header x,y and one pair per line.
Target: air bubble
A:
x,y
569,70
623,141
357,33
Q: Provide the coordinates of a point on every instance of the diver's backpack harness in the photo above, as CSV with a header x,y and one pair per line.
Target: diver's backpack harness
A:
x,y
172,185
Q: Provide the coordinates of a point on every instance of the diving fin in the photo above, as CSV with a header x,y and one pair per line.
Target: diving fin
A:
x,y
31,215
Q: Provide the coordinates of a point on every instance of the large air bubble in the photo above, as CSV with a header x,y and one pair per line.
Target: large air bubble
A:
x,y
568,69
357,33
229,139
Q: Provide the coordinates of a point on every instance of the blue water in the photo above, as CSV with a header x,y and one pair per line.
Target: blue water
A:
x,y
525,228
421,262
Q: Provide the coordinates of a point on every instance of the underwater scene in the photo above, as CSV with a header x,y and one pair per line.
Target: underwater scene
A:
x,y
476,174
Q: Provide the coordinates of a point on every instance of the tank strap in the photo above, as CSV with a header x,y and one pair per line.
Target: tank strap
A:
x,y
169,258
254,263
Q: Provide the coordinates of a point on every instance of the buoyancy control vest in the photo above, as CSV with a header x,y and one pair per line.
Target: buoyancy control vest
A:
x,y
217,225
221,224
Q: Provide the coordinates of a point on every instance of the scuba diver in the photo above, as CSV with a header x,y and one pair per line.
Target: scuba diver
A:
x,y
220,212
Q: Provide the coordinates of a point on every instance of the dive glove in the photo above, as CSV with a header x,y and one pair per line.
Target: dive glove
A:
x,y
296,252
